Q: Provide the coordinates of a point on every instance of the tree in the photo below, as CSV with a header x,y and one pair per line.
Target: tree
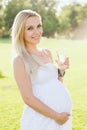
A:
x,y
85,11
1,19
47,10
76,15
71,17
1,14
11,9
64,21
50,24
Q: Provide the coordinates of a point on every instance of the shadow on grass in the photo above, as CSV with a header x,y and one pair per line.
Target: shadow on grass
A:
x,y
2,75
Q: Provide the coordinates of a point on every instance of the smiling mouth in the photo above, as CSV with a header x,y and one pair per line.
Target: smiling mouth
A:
x,y
36,38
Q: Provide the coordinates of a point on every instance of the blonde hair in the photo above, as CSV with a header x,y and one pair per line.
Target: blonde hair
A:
x,y
18,44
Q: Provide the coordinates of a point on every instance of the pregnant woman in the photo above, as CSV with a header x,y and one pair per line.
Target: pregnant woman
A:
x,y
47,101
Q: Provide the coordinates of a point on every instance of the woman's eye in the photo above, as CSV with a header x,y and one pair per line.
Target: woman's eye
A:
x,y
39,26
30,28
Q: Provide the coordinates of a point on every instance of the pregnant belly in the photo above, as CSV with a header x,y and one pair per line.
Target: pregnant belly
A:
x,y
54,94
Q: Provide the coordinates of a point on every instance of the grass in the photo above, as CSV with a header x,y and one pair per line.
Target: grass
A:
x,y
11,104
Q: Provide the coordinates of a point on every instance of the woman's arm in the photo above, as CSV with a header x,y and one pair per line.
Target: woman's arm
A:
x,y
61,71
25,87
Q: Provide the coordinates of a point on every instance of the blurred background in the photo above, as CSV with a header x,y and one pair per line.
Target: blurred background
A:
x,y
61,18
64,26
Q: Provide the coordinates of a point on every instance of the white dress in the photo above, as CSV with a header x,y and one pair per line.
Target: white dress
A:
x,y
53,93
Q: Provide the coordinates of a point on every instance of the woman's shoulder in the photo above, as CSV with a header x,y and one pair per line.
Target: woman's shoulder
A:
x,y
17,60
46,50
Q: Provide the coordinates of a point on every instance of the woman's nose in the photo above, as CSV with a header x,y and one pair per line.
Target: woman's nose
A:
x,y
36,30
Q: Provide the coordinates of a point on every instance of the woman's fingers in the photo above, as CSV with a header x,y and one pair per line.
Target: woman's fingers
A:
x,y
63,117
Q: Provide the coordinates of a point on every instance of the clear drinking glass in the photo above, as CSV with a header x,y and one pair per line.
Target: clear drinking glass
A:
x,y
62,55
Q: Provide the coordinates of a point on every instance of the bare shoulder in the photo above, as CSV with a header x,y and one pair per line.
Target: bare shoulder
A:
x,y
48,51
17,61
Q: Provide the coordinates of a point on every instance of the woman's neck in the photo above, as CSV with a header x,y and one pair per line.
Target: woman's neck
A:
x,y
32,49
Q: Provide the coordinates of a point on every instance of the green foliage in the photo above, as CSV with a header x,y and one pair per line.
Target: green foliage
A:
x,y
48,14
71,16
1,19
12,8
85,11
46,10
64,24
1,74
50,25
76,16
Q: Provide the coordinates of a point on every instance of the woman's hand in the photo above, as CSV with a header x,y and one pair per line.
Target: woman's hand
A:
x,y
63,66
62,118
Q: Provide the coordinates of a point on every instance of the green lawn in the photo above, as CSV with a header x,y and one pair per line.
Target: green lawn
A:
x,y
11,104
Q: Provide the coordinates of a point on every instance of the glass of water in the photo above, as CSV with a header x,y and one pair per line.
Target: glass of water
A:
x,y
61,54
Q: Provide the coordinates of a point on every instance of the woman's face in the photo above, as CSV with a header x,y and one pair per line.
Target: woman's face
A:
x,y
33,30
